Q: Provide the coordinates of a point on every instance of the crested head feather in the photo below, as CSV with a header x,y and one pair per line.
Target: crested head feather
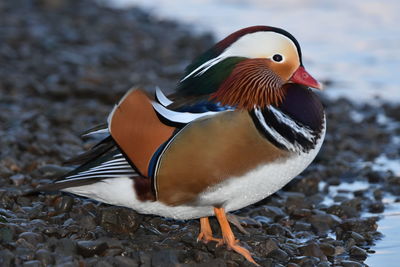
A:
x,y
241,70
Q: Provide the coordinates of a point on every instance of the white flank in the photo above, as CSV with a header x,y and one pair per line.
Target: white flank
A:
x,y
120,191
162,98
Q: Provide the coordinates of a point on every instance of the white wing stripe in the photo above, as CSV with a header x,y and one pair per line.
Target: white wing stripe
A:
x,y
162,98
96,176
180,117
102,172
100,131
116,168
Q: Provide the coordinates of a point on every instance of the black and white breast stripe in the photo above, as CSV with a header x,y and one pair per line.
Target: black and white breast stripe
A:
x,y
116,167
283,131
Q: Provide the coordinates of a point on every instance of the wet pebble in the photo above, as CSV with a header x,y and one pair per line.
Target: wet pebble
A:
x,y
279,255
63,204
273,212
119,220
33,263
313,250
301,226
44,256
6,257
125,261
90,248
32,238
63,246
376,207
348,263
322,223
7,233
18,179
327,249
358,253
167,258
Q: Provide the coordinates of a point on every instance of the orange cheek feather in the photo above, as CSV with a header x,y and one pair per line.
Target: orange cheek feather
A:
x,y
251,83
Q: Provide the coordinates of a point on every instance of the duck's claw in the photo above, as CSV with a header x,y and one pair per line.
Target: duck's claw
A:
x,y
206,233
228,236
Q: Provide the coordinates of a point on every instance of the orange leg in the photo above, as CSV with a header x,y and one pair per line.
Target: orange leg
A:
x,y
228,237
206,232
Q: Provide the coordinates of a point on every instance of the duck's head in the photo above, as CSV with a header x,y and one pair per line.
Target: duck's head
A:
x,y
248,68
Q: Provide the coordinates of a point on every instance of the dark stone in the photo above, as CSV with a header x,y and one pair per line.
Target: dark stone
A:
x,y
279,230
327,249
360,225
273,212
126,261
7,233
376,207
102,263
63,204
305,260
32,238
322,223
301,213
313,250
378,194
266,247
6,257
23,253
18,179
167,258
64,246
358,253
33,263
301,226
348,263
358,239
44,256
201,256
91,248
279,255
307,185
120,220
376,176
87,222
324,264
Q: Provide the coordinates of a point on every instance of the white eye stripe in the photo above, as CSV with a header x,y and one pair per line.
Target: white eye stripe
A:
x,y
248,46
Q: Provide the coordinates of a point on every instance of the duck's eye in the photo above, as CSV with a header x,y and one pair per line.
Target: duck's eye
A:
x,y
277,58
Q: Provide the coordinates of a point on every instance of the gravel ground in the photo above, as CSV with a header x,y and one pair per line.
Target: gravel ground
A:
x,y
63,64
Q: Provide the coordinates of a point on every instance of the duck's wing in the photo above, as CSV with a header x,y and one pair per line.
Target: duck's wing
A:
x,y
139,127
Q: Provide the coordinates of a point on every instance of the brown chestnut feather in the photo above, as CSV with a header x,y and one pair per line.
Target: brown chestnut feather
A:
x,y
251,83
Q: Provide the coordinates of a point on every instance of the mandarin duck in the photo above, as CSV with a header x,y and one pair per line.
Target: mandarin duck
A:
x,y
242,123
